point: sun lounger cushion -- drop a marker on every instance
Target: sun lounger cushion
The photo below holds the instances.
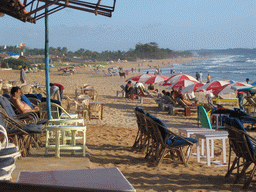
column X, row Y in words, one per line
column 5, row 103
column 237, row 124
column 179, row 141
column 7, row 96
column 26, row 100
column 3, row 172
column 37, row 96
column 5, row 162
column 163, row 131
column 32, row 128
column 8, row 151
column 140, row 110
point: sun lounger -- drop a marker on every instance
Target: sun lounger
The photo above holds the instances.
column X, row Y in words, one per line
column 243, row 145
column 164, row 141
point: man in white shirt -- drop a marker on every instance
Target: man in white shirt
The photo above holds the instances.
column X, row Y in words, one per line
column 137, row 85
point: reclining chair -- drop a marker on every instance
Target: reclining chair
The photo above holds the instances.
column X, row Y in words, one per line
column 163, row 141
column 243, row 145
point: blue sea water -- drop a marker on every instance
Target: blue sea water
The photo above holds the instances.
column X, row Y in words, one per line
column 221, row 67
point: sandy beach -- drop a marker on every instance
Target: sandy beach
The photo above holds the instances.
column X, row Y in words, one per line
column 109, row 141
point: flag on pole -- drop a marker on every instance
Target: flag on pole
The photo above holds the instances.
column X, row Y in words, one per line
column 5, row 47
column 24, row 50
column 17, row 46
column 23, row 44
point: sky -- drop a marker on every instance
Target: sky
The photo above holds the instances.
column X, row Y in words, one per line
column 177, row 24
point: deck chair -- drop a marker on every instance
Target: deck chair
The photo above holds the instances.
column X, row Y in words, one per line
column 141, row 139
column 7, row 149
column 57, row 112
column 164, row 141
column 9, row 110
column 95, row 111
column 250, row 105
column 21, row 134
column 7, row 166
column 243, row 145
column 122, row 92
column 182, row 106
column 166, row 102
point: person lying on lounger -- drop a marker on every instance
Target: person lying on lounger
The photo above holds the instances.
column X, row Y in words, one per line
column 22, row 107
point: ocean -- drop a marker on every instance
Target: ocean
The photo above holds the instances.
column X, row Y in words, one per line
column 221, row 67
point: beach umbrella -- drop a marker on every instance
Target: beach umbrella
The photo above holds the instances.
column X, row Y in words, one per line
column 192, row 88
column 254, row 83
column 212, row 85
column 176, row 78
column 140, row 78
column 182, row 83
column 156, row 79
column 245, row 89
column 227, row 89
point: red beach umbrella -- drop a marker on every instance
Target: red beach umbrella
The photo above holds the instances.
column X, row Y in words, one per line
column 140, row 78
column 213, row 85
column 192, row 88
column 176, row 78
column 226, row 89
column 182, row 83
column 156, row 79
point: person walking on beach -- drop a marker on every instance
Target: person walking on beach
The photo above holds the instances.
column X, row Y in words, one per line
column 23, row 74
column 208, row 78
column 201, row 77
column 197, row 76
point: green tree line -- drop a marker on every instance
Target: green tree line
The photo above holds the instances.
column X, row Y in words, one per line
column 142, row 51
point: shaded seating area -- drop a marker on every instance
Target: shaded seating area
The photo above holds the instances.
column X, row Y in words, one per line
column 243, row 166
column 33, row 10
column 154, row 137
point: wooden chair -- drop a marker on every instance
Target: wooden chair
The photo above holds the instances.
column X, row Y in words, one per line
column 243, row 145
column 57, row 112
column 165, row 141
column 95, row 110
column 142, row 139
column 183, row 107
column 21, row 134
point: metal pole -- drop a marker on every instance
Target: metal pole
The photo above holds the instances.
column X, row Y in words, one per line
column 47, row 76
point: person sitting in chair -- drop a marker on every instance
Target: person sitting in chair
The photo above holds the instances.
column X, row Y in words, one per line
column 21, row 107
column 128, row 89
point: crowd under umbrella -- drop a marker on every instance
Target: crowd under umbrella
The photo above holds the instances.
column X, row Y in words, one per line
column 182, row 83
column 176, row 78
column 228, row 88
column 212, row 85
column 140, row 78
column 156, row 79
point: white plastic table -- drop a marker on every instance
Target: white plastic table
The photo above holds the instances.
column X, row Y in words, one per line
column 222, row 135
column 190, row 131
column 58, row 129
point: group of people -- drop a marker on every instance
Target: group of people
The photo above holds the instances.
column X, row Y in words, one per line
column 175, row 95
column 199, row 77
column 138, row 89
